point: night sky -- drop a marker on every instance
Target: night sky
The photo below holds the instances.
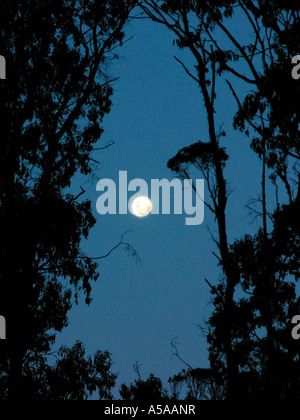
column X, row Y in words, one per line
column 138, row 309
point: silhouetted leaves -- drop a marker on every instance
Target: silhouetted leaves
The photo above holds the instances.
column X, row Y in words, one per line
column 144, row 391
column 52, row 105
column 249, row 336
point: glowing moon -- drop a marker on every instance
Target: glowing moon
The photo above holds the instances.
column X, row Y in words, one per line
column 141, row 206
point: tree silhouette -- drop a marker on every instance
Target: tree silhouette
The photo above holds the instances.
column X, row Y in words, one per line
column 73, row 376
column 249, row 337
column 209, row 157
column 53, row 101
column 52, row 105
column 144, row 391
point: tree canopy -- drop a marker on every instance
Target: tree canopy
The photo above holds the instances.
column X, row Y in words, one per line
column 53, row 102
column 52, row 105
column 250, row 344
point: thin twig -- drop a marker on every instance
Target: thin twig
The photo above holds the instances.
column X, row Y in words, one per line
column 176, row 353
column 186, row 69
column 129, row 248
column 104, row 147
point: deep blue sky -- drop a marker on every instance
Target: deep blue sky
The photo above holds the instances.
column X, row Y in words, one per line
column 138, row 309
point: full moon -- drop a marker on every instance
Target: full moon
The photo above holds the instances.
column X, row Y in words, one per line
column 141, row 206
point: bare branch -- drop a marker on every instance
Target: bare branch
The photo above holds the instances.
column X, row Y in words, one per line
column 136, row 368
column 80, row 194
column 176, row 353
column 129, row 248
column 187, row 70
column 241, row 49
column 226, row 66
column 104, row 147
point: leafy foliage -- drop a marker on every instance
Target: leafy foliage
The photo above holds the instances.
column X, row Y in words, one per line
column 73, row 377
column 144, row 391
column 250, row 344
column 52, row 105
